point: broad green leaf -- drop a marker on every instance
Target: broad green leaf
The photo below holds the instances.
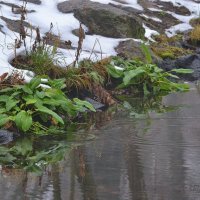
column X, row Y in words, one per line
column 27, row 89
column 4, row 98
column 115, row 73
column 8, row 89
column 46, row 110
column 41, row 94
column 30, row 99
column 23, row 120
column 172, row 75
column 34, row 83
column 11, row 103
column 84, row 103
column 182, row 71
column 57, row 83
column 4, row 119
column 129, row 75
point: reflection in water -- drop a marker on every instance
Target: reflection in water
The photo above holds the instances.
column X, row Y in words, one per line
column 130, row 159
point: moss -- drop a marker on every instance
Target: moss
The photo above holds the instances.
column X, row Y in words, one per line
column 166, row 47
column 170, row 52
column 168, row 40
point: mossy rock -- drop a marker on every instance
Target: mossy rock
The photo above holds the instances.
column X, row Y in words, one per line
column 162, row 38
column 169, row 47
column 170, row 52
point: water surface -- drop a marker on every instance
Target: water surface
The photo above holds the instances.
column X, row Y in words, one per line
column 156, row 158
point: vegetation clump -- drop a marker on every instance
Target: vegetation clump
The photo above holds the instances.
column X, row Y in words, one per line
column 33, row 107
column 166, row 47
column 195, row 35
column 195, row 21
column 171, row 52
column 145, row 78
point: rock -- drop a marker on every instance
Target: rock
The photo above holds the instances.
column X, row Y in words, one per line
column 38, row 2
column 9, row 4
column 131, row 49
column 71, row 5
column 5, row 137
column 190, row 62
column 15, row 25
column 169, row 6
column 97, row 105
column 107, row 21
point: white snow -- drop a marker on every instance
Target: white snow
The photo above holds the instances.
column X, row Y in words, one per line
column 63, row 24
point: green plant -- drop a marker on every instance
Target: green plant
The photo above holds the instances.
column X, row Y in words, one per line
column 146, row 78
column 33, row 107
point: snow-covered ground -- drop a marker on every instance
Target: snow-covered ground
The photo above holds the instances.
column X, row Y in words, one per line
column 63, row 24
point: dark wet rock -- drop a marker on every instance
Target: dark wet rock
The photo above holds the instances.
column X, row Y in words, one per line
column 187, row 62
column 97, row 105
column 6, row 137
column 104, row 20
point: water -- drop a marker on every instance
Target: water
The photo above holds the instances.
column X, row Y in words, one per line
column 156, row 158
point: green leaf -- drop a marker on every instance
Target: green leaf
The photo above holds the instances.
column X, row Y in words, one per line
column 84, row 103
column 115, row 73
column 11, row 103
column 129, row 75
column 5, row 90
column 46, row 110
column 4, row 98
column 34, row 83
column 41, row 94
column 57, row 83
column 172, row 75
column 30, row 99
column 23, row 120
column 182, row 71
column 4, row 119
column 27, row 89
column 147, row 53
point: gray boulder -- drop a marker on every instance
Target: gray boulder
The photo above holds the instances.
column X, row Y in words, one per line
column 105, row 20
column 5, row 137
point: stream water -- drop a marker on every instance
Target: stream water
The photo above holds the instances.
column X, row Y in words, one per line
column 156, row 158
